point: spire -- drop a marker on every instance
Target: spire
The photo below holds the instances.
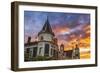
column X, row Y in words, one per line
column 46, row 28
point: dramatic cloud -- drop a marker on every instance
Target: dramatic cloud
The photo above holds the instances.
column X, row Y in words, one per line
column 68, row 27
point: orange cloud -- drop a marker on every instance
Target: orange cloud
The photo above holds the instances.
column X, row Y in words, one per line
column 85, row 55
column 58, row 30
column 83, row 43
column 87, row 27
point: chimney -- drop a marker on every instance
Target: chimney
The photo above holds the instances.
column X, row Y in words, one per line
column 29, row 39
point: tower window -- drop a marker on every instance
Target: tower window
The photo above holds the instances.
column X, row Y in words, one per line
column 41, row 38
column 46, row 49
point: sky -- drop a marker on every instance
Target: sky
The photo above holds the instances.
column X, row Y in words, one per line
column 69, row 28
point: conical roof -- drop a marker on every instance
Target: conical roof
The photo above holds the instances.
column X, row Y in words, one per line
column 46, row 28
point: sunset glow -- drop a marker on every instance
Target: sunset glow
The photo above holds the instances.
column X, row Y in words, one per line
column 69, row 29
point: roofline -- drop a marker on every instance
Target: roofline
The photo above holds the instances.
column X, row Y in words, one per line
column 29, row 44
column 46, row 32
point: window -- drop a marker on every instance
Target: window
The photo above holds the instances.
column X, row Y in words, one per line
column 40, row 50
column 77, row 51
column 41, row 38
column 46, row 49
column 51, row 51
column 34, row 51
column 27, row 50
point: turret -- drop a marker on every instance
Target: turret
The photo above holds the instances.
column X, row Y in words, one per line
column 46, row 34
column 76, row 51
